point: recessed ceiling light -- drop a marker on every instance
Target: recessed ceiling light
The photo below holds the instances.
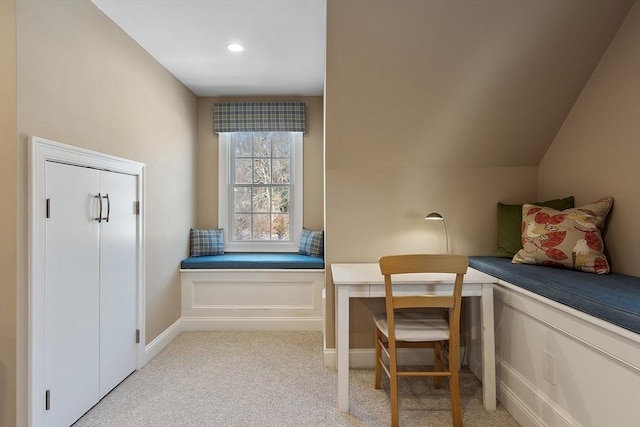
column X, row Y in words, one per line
column 235, row 47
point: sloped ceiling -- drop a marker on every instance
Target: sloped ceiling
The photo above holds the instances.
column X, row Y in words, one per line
column 284, row 41
column 457, row 83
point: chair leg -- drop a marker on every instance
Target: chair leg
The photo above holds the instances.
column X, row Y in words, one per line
column 393, row 387
column 456, row 409
column 437, row 364
column 378, row 356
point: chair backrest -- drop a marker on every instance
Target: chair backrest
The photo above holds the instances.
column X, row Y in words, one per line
column 424, row 263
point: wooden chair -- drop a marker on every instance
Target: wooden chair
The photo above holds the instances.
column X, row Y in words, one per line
column 418, row 329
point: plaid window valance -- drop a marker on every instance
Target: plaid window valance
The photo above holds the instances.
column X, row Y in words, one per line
column 258, row 117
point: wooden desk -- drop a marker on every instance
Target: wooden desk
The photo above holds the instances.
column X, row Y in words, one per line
column 366, row 281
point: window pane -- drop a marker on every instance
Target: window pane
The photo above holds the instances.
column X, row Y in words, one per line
column 282, row 145
column 280, row 226
column 242, row 227
column 261, row 192
column 243, row 171
column 262, row 171
column 243, row 144
column 280, row 199
column 262, row 144
column 242, row 199
column 261, row 199
column 261, row 227
column 281, row 171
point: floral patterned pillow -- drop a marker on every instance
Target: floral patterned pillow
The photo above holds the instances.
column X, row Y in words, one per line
column 571, row 238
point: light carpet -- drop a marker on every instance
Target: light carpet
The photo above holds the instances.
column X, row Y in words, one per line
column 231, row 378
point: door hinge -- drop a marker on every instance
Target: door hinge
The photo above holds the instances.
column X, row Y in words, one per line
column 47, row 400
column 48, row 214
column 137, row 336
column 136, row 208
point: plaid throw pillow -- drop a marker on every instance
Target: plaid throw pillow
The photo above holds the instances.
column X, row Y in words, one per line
column 312, row 243
column 207, row 242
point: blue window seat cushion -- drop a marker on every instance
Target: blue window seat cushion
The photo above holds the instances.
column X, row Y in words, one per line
column 612, row 297
column 256, row 261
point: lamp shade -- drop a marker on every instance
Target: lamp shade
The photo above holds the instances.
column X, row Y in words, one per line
column 434, row 216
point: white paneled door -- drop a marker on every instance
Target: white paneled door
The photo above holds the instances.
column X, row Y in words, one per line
column 72, row 293
column 90, row 287
column 117, row 279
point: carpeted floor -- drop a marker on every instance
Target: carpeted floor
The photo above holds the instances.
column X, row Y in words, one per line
column 271, row 379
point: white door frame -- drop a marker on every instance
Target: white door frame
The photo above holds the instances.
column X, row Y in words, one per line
column 40, row 151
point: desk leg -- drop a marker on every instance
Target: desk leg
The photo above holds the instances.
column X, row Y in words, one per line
column 342, row 346
column 488, row 348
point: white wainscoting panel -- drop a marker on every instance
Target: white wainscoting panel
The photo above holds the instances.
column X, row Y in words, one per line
column 557, row 366
column 252, row 299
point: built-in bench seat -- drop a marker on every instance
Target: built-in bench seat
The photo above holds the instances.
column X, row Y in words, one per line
column 567, row 344
column 252, row 291
column 612, row 297
column 244, row 260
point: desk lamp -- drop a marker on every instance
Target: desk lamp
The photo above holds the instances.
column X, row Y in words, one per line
column 434, row 216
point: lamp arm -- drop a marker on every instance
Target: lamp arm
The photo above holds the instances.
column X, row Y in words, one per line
column 446, row 234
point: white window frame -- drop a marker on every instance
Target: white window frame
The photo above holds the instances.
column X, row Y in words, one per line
column 225, row 206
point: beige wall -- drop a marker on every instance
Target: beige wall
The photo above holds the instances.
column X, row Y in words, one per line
column 413, row 125
column 83, row 81
column 8, row 215
column 597, row 151
column 377, row 211
column 457, row 83
column 207, row 160
column 448, row 107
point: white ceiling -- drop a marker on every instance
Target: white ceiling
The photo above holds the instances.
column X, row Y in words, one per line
column 284, row 41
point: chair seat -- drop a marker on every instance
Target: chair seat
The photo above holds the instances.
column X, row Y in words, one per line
column 415, row 326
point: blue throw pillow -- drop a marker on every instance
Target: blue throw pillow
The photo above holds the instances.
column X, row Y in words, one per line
column 312, row 243
column 207, row 242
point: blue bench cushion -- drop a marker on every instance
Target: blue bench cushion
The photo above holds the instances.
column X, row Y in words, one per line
column 247, row 260
column 612, row 297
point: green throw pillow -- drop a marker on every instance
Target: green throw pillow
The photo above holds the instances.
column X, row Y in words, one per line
column 510, row 224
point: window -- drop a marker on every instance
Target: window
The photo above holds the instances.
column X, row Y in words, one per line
column 260, row 190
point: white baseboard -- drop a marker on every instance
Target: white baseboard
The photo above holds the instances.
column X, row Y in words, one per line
column 516, row 407
column 329, row 357
column 250, row 324
column 526, row 403
column 152, row 349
